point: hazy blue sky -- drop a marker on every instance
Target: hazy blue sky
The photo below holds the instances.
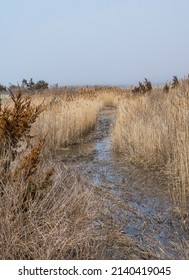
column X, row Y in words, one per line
column 73, row 42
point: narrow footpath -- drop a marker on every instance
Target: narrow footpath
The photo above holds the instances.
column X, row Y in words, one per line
column 146, row 192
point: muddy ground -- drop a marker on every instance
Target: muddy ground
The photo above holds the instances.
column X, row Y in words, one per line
column 145, row 191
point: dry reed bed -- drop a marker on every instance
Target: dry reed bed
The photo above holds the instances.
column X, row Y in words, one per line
column 140, row 130
column 46, row 211
column 69, row 220
column 153, row 131
column 69, row 116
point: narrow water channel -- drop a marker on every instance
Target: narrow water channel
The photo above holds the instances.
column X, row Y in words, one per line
column 145, row 191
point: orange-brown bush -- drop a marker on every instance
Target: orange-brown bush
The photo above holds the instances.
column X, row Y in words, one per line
column 16, row 160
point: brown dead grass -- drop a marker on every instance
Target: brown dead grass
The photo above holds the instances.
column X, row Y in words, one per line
column 46, row 210
column 68, row 117
column 153, row 131
column 64, row 222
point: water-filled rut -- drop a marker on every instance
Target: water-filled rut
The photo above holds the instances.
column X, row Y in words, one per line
column 144, row 190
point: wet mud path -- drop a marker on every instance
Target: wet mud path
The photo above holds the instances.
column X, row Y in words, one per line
column 144, row 190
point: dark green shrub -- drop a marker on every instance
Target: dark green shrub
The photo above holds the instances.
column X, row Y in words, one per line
column 41, row 85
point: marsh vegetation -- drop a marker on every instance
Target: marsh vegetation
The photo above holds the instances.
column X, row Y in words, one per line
column 95, row 173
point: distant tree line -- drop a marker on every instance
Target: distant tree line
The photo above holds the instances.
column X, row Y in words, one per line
column 30, row 85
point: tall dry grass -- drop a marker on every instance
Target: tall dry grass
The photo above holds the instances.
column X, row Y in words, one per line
column 46, row 210
column 152, row 130
column 141, row 130
column 68, row 117
column 66, row 220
